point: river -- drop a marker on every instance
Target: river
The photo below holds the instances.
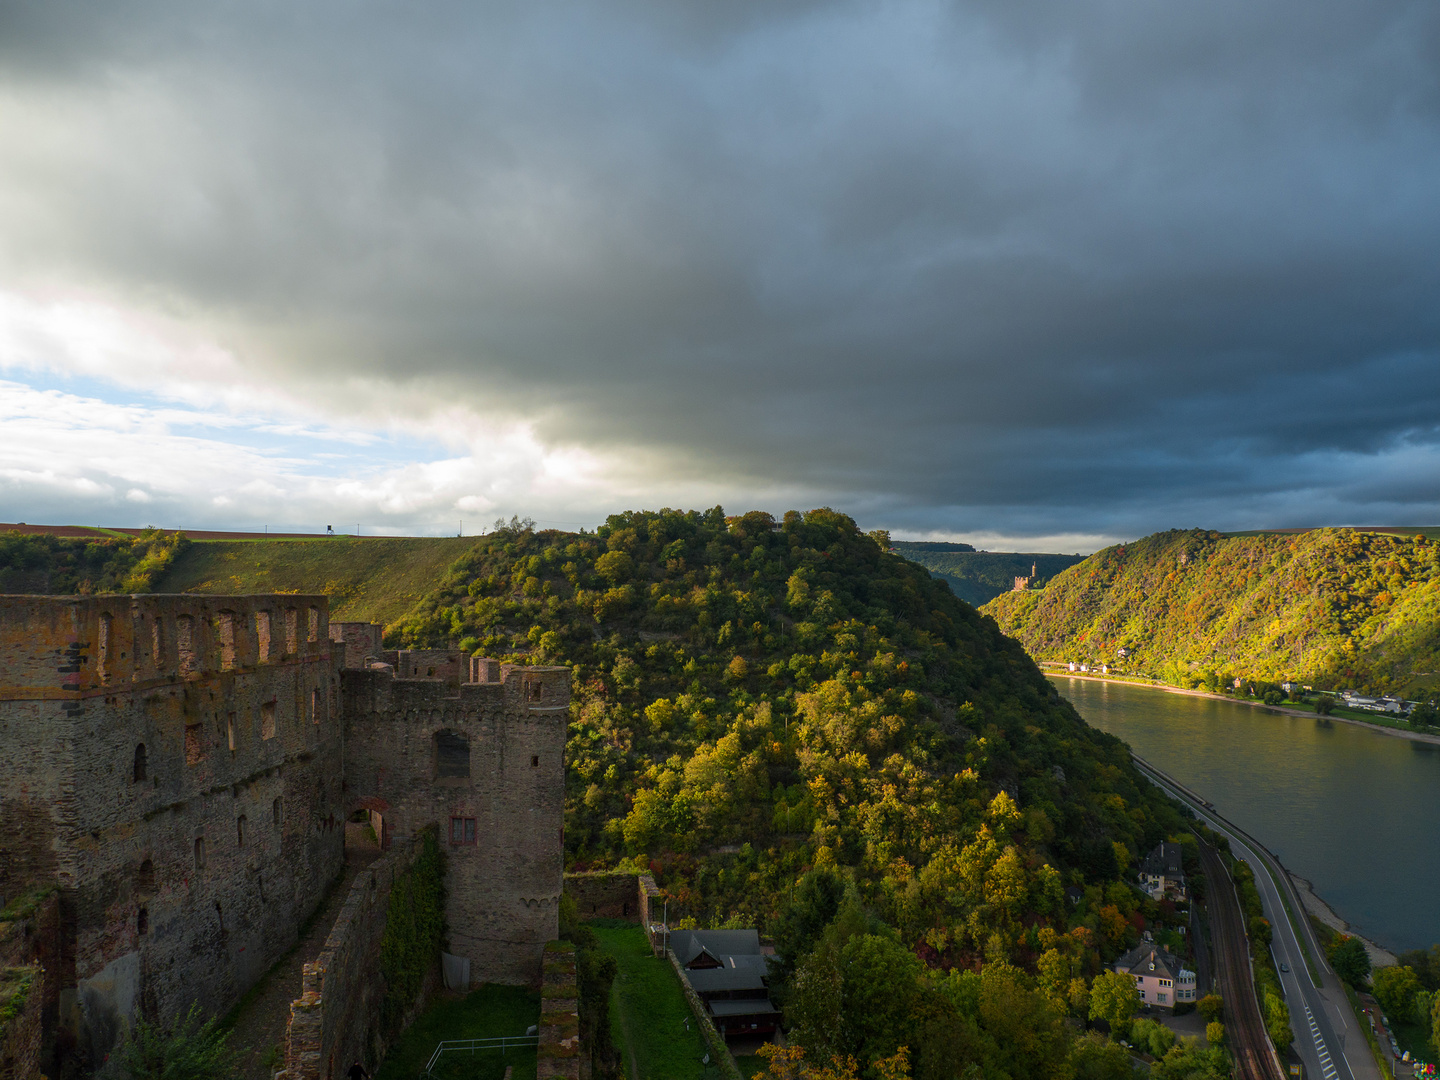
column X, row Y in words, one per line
column 1351, row 810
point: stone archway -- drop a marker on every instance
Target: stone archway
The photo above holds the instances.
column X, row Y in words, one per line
column 367, row 824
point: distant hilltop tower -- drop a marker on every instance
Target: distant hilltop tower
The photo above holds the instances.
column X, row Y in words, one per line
column 1023, row 583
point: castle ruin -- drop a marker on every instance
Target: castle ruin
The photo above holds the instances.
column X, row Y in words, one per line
column 175, row 777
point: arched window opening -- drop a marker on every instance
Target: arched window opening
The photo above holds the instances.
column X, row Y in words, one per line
column 452, row 755
column 145, row 879
column 140, row 763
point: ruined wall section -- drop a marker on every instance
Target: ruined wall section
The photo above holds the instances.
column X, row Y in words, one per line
column 486, row 762
column 335, row 1021
column 183, row 754
column 358, row 640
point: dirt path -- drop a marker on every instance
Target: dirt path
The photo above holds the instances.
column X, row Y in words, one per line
column 261, row 1024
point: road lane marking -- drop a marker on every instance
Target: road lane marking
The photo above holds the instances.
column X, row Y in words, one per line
column 1327, row 1066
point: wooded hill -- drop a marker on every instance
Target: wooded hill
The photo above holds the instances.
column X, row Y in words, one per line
column 977, row 577
column 1333, row 608
column 794, row 729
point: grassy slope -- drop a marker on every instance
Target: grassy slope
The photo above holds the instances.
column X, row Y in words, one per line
column 1331, row 606
column 367, row 580
column 487, row 1013
column 649, row 1014
column 977, row 577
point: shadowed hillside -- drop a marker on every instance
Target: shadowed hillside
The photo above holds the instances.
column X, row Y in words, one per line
column 977, row 577
column 1332, row 607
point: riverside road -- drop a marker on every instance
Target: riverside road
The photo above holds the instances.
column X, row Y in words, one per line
column 1328, row 1038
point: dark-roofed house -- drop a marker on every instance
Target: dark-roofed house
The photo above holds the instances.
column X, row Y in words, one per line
column 731, row 976
column 1162, row 873
column 1160, row 979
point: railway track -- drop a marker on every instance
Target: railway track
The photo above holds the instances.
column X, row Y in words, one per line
column 1244, row 1026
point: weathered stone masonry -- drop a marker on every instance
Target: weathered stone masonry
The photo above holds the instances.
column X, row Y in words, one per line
column 173, row 764
column 181, row 768
column 486, row 762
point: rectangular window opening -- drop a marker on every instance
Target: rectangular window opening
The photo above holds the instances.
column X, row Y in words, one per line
column 462, row 831
column 313, row 630
column 230, row 731
column 194, row 744
column 315, row 706
column 292, row 631
column 157, row 641
column 267, row 720
column 199, row 853
column 262, row 635
column 226, row 625
column 185, row 643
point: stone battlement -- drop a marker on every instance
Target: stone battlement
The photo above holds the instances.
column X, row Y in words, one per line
column 52, row 647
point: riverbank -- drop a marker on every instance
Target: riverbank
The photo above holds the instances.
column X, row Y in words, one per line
column 1059, row 670
column 1316, row 906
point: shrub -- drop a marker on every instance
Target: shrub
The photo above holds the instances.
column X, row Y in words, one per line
column 1215, row 1033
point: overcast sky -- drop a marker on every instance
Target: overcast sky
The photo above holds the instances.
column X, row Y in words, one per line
column 1034, row 274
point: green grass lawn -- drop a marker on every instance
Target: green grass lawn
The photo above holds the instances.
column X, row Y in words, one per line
column 649, row 1013
column 371, row 579
column 486, row 1013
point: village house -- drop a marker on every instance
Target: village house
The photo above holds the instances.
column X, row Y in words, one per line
column 731, row 976
column 1160, row 979
column 1162, row 874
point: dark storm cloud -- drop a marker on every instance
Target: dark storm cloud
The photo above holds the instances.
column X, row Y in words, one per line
column 1030, row 267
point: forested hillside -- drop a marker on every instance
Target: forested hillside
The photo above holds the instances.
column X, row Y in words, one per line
column 977, row 577
column 797, row 730
column 41, row 563
column 1330, row 607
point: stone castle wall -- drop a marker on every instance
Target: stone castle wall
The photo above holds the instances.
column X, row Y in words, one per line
column 334, row 1022
column 486, row 762
column 181, row 767
column 358, row 640
column 173, row 763
column 613, row 894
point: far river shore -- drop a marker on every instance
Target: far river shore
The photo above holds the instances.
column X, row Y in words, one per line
column 1051, row 668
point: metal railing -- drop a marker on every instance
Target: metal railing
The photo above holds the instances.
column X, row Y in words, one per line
column 473, row 1046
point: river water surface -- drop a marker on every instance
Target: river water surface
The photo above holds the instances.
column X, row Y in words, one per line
column 1353, row 811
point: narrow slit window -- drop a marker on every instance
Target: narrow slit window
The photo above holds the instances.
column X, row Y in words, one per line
column 315, row 706
column 292, row 631
column 200, row 853
column 157, row 641
column 230, row 731
column 277, row 812
column 240, row 831
column 313, row 629
column 140, row 763
column 534, row 761
column 267, row 720
column 142, row 921
column 107, row 625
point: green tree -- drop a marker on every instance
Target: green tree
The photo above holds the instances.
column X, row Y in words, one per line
column 1152, row 1037
column 1350, row 960
column 616, row 567
column 1277, row 1021
column 1211, row 1006
column 1215, row 1033
column 1096, row 1058
column 1114, row 1000
column 1395, row 989
column 192, row 1048
column 1324, row 704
